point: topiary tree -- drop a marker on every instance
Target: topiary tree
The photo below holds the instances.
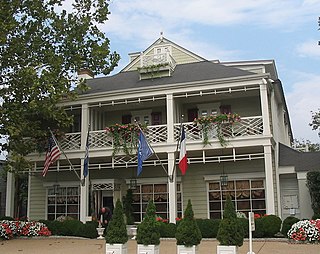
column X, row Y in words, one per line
column 117, row 231
column 147, row 231
column 313, row 183
column 188, row 232
column 230, row 230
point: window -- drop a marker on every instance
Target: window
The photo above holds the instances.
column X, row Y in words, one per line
column 63, row 201
column 160, row 196
column 247, row 196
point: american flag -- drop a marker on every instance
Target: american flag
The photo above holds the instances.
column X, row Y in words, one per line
column 53, row 153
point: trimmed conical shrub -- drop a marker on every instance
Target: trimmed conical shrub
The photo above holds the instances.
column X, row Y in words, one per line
column 188, row 232
column 117, row 230
column 148, row 231
column 230, row 230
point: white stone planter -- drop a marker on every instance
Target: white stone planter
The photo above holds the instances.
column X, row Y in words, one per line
column 227, row 249
column 181, row 249
column 116, row 248
column 148, row 249
column 100, row 231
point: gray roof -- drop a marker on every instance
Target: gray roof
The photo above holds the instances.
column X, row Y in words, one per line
column 302, row 161
column 199, row 71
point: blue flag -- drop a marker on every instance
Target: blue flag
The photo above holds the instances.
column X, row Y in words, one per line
column 86, row 159
column 144, row 151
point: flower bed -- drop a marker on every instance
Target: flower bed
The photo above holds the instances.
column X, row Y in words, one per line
column 9, row 229
column 305, row 231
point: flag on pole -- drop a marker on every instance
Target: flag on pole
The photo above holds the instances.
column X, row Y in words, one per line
column 144, row 151
column 53, row 154
column 86, row 159
column 183, row 162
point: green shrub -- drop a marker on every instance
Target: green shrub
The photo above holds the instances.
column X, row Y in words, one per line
column 271, row 225
column 208, row 227
column 167, row 230
column 188, row 232
column 127, row 207
column 88, row 230
column 147, row 231
column 313, row 183
column 117, row 230
column 7, row 218
column 245, row 225
column 258, row 232
column 287, row 223
column 316, row 216
column 71, row 227
column 230, row 230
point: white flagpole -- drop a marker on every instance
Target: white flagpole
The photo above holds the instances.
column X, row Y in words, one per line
column 55, row 140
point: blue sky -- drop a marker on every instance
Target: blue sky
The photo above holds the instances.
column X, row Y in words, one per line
column 233, row 30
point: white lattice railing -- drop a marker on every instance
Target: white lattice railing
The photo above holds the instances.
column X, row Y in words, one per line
column 156, row 59
column 248, row 126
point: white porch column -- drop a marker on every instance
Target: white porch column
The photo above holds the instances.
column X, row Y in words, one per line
column 304, row 196
column 172, row 188
column 265, row 107
column 10, row 194
column 84, row 189
column 170, row 118
column 270, row 191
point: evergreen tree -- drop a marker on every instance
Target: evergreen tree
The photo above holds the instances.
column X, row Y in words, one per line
column 188, row 232
column 117, row 231
column 230, row 230
column 148, row 231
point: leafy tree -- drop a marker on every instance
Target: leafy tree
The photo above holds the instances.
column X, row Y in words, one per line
column 127, row 205
column 313, row 183
column 117, row 230
column 188, row 232
column 42, row 46
column 306, row 144
column 315, row 122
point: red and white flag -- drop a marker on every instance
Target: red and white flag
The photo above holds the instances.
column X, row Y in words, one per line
column 183, row 161
column 53, row 153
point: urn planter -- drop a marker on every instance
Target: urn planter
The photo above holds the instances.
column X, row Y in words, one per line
column 116, row 248
column 181, row 249
column 100, row 231
column 150, row 249
column 221, row 249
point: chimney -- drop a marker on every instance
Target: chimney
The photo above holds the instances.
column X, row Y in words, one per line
column 85, row 74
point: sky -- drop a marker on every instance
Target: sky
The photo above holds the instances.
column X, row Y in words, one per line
column 234, row 30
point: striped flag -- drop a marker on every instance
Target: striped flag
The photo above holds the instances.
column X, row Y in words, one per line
column 86, row 159
column 53, row 154
column 144, row 151
column 183, row 162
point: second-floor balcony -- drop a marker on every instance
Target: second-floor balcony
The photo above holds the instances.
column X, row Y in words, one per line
column 248, row 126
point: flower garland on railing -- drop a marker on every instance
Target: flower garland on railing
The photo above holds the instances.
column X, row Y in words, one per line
column 125, row 137
column 9, row 229
column 216, row 122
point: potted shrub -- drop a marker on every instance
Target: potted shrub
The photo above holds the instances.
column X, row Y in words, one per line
column 148, row 236
column 188, row 234
column 230, row 233
column 116, row 235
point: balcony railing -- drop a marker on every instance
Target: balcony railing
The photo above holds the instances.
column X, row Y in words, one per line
column 248, row 126
column 157, row 59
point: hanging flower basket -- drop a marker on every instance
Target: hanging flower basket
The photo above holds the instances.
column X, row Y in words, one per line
column 216, row 123
column 124, row 137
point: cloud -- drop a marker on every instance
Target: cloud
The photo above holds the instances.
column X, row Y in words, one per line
column 301, row 100
column 309, row 49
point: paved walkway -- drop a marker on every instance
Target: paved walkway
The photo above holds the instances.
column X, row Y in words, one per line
column 57, row 245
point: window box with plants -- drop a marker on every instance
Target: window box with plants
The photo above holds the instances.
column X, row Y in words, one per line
column 188, row 234
column 116, row 235
column 148, row 236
